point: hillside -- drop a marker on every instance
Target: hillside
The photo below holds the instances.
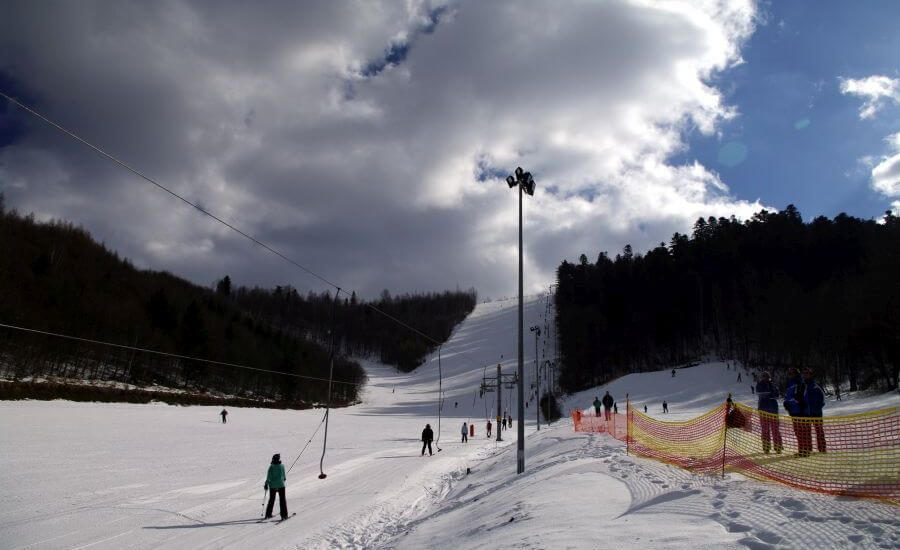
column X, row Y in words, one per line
column 55, row 277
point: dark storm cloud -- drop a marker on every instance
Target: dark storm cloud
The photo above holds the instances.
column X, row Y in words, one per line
column 368, row 140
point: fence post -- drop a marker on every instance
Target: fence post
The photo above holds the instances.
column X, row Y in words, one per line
column 724, row 436
column 627, row 425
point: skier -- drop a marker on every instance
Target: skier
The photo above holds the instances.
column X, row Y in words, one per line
column 608, row 402
column 739, row 377
column 224, row 413
column 427, row 437
column 815, row 402
column 837, row 392
column 455, row 403
column 597, row 406
column 489, row 428
column 275, row 485
column 673, row 373
column 465, row 433
column 509, row 421
column 767, row 403
column 504, row 421
column 615, row 408
column 665, row 407
column 795, row 404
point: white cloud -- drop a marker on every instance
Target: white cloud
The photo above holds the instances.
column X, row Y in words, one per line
column 886, row 174
column 876, row 90
column 373, row 177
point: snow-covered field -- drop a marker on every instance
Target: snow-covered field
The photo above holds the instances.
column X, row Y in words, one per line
column 80, row 475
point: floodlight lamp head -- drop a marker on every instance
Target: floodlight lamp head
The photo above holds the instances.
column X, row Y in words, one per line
column 527, row 177
column 511, row 181
column 519, row 172
column 529, row 187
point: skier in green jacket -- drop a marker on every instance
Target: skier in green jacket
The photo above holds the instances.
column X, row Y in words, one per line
column 275, row 484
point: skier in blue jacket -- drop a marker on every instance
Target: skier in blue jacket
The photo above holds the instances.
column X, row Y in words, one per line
column 767, row 396
column 275, row 484
column 795, row 405
column 815, row 402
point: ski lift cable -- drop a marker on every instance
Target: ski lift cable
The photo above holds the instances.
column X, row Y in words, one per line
column 176, row 355
column 204, row 211
column 307, row 444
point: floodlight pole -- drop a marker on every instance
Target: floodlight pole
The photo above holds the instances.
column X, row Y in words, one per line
column 520, row 453
column 499, row 399
column 537, row 377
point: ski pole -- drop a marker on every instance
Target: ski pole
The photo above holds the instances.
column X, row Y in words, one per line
column 263, row 511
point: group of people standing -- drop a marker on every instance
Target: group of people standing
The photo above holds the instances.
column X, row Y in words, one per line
column 804, row 400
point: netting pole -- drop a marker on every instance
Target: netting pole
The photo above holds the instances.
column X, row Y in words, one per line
column 627, row 424
column 724, row 438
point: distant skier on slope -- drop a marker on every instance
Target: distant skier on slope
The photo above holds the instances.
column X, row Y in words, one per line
column 673, row 373
column 427, row 438
column 597, row 405
column 608, row 402
column 665, row 407
column 489, row 428
column 465, row 433
column 224, row 414
column 275, row 484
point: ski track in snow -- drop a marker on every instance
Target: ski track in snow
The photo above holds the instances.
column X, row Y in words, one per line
column 110, row 476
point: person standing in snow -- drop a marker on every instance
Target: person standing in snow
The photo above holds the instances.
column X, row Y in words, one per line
column 224, row 413
column 608, row 402
column 665, row 407
column 795, row 404
column 837, row 392
column 427, row 438
column 645, row 409
column 814, row 396
column 597, row 405
column 615, row 408
column 673, row 373
column 739, row 377
column 465, row 433
column 504, row 421
column 767, row 403
column 489, row 428
column 275, row 485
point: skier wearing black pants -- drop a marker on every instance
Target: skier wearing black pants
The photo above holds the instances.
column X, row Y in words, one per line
column 427, row 437
column 275, row 484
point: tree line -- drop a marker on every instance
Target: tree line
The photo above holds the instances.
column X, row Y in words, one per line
column 54, row 277
column 362, row 329
column 771, row 291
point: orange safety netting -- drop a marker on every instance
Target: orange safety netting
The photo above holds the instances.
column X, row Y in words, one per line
column 856, row 455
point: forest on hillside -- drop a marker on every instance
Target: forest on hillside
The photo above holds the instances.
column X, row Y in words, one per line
column 364, row 329
column 54, row 277
column 771, row 291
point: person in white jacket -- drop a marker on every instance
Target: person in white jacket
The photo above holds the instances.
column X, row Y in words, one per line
column 465, row 433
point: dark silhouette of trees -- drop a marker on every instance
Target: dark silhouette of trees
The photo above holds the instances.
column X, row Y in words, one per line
column 54, row 277
column 772, row 291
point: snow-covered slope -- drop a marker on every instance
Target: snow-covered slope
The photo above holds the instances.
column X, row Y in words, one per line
column 79, row 475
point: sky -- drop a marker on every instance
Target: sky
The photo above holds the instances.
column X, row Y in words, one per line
column 369, row 141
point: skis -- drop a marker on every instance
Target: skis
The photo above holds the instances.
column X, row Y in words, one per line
column 285, row 519
column 276, row 522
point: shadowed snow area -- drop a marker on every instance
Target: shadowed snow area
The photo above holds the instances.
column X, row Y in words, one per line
column 110, row 476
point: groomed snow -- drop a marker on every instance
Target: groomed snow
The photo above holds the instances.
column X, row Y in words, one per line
column 81, row 475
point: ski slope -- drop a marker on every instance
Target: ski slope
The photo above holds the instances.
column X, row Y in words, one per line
column 103, row 476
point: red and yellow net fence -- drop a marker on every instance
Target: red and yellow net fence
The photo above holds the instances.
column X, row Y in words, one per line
column 856, row 455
